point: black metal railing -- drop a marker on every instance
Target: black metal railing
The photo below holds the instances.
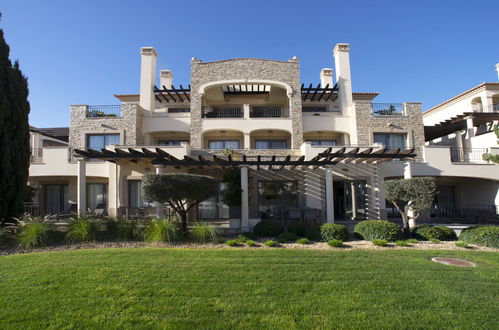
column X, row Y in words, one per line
column 104, row 111
column 388, row 109
column 314, row 109
column 223, row 112
column 469, row 214
column 266, row 112
column 467, row 155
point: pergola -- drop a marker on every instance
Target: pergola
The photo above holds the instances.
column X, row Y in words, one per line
column 459, row 123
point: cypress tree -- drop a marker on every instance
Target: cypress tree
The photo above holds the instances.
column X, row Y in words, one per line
column 14, row 135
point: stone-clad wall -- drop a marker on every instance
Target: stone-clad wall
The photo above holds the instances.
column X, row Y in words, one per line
column 411, row 123
column 241, row 70
column 129, row 125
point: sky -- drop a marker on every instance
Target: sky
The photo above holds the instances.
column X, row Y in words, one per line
column 83, row 52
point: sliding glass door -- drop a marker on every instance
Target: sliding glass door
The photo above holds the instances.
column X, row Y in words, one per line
column 56, row 198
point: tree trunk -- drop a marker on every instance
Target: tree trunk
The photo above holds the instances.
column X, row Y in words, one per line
column 183, row 225
column 405, row 226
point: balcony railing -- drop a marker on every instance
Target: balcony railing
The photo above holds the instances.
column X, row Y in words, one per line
column 36, row 155
column 387, row 109
column 267, row 112
column 103, row 111
column 223, row 112
column 467, row 155
column 493, row 107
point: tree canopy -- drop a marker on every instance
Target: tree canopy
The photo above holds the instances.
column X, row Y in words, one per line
column 180, row 191
column 14, row 135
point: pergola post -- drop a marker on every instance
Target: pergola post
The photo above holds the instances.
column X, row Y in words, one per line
column 408, row 175
column 329, row 194
column 244, row 198
column 160, row 169
column 81, row 187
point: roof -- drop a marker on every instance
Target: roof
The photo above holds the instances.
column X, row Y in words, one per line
column 59, row 133
column 482, row 85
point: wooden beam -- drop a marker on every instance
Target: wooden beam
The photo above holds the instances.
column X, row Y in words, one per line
column 185, row 93
column 272, row 161
column 300, row 159
column 161, row 93
column 288, row 157
column 178, row 95
column 324, row 92
column 315, row 93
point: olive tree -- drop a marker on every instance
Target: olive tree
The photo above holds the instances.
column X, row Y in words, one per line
column 179, row 190
column 414, row 196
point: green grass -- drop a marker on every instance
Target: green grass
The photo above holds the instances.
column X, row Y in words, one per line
column 248, row 289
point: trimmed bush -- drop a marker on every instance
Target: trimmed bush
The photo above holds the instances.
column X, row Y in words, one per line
column 411, row 241
column 161, row 231
column 34, row 234
column 82, row 230
column 434, row 240
column 270, row 243
column 378, row 229
column 402, row 243
column 313, row 233
column 267, row 228
column 231, row 242
column 461, row 244
column 331, row 231
column 250, row 243
column 203, row 233
column 298, row 228
column 130, row 230
column 335, row 243
column 220, row 240
column 286, row 237
column 442, row 233
column 380, row 242
column 481, row 235
column 241, row 239
column 303, row 241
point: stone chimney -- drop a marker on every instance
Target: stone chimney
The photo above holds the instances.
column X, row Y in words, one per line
column 148, row 58
column 343, row 77
column 165, row 79
column 327, row 77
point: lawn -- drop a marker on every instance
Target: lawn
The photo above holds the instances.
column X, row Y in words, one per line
column 235, row 288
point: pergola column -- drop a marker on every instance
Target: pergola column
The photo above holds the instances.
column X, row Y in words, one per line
column 244, row 198
column 329, row 194
column 408, row 175
column 160, row 169
column 82, row 187
column 469, row 127
column 247, row 141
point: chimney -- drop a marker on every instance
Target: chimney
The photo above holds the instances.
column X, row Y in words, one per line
column 165, row 78
column 147, row 77
column 327, row 77
column 497, row 69
column 343, row 78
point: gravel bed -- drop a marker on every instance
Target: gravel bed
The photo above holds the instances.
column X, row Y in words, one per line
column 351, row 245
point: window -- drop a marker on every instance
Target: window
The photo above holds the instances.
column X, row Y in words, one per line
column 99, row 141
column 177, row 110
column 171, row 142
column 322, row 143
column 96, row 196
column 223, row 144
column 271, row 144
column 135, row 196
column 275, row 194
column 213, row 207
column 391, row 140
column 314, row 109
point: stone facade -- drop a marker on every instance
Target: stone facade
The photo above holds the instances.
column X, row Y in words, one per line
column 410, row 123
column 246, row 70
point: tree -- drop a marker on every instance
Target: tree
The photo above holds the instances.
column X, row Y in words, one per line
column 14, row 135
column 232, row 195
column 179, row 190
column 414, row 195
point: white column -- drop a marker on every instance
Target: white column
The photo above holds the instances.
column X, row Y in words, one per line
column 244, row 198
column 354, row 200
column 408, row 170
column 247, row 141
column 329, row 194
column 160, row 169
column 246, row 110
column 82, row 187
column 470, row 128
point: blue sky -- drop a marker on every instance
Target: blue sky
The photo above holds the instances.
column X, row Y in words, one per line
column 83, row 52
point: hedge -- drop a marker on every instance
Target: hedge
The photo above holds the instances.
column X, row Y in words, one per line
column 378, row 229
column 330, row 231
column 427, row 232
column 267, row 228
column 481, row 235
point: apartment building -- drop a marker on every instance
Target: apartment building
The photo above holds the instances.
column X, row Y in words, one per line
column 307, row 151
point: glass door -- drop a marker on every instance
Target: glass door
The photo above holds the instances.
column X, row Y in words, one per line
column 56, row 198
column 354, row 194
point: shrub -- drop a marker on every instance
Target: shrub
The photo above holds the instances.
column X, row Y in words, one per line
column 380, row 242
column 271, row 243
column 461, row 244
column 411, row 240
column 267, row 228
column 130, row 230
column 335, row 243
column 378, row 229
column 481, row 235
column 161, row 231
column 250, row 242
column 298, row 228
column 434, row 240
column 220, row 240
column 202, row 233
column 313, row 233
column 303, row 241
column 402, row 243
column 82, row 230
column 250, row 235
column 241, row 239
column 286, row 237
column 112, row 228
column 331, row 231
column 231, row 242
column 34, row 234
column 427, row 232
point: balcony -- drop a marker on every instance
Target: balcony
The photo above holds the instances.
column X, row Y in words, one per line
column 468, row 155
column 493, row 107
column 36, row 155
column 103, row 111
column 267, row 112
column 223, row 112
column 388, row 109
